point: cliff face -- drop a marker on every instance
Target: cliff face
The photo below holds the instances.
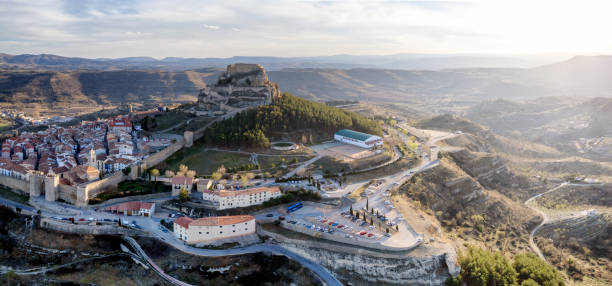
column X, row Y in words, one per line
column 364, row 269
column 361, row 266
column 241, row 85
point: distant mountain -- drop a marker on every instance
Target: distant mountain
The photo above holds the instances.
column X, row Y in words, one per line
column 73, row 80
column 581, row 75
column 399, row 61
column 100, row 87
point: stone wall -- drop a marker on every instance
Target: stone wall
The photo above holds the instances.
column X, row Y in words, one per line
column 14, row 183
column 163, row 154
column 348, row 241
column 67, row 193
column 68, row 227
column 133, row 198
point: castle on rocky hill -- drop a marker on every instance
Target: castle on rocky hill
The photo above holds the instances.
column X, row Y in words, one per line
column 242, row 85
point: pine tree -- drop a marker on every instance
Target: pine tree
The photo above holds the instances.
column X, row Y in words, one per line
column 351, row 210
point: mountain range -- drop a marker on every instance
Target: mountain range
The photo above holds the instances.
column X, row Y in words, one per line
column 398, row 61
column 24, row 80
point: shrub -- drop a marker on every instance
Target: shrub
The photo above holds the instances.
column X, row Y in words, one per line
column 482, row 267
column 531, row 268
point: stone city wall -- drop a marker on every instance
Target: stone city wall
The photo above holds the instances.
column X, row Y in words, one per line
column 133, row 198
column 163, row 154
column 67, row 193
column 15, row 183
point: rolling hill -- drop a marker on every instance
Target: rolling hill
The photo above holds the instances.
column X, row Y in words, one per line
column 112, row 80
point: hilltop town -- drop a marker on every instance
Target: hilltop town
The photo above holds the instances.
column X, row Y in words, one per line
column 335, row 188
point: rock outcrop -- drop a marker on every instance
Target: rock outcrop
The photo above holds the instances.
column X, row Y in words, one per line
column 241, row 85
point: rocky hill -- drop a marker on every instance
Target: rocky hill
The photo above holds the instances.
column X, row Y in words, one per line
column 241, row 85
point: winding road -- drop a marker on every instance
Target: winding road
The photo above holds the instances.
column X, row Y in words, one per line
column 532, row 244
column 319, row 270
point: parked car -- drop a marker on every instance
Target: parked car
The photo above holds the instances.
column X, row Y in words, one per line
column 370, row 234
column 269, row 215
column 281, row 218
column 81, row 219
column 362, row 233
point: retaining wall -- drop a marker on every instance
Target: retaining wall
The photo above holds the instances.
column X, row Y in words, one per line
column 348, row 241
column 68, row 227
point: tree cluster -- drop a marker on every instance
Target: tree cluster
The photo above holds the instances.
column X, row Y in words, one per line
column 287, row 113
column 483, row 267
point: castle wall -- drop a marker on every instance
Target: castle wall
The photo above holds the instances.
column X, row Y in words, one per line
column 164, row 154
column 66, row 193
column 14, row 183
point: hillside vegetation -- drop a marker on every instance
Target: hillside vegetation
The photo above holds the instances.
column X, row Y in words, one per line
column 483, row 267
column 99, row 87
column 288, row 113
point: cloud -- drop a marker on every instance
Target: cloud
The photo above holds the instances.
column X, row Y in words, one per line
column 303, row 28
column 211, row 27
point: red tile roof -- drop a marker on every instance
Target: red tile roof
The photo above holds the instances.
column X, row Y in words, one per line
column 130, row 206
column 221, row 220
column 181, row 180
column 183, row 221
column 226, row 193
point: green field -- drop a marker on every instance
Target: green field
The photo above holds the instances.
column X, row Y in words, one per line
column 130, row 188
column 5, row 125
column 267, row 162
column 195, row 124
column 13, row 196
column 170, row 118
column 204, row 162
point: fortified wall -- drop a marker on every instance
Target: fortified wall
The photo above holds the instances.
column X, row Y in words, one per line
column 39, row 184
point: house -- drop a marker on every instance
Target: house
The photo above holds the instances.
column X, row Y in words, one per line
column 213, row 228
column 82, row 174
column 181, row 182
column 226, row 199
column 359, row 139
column 6, row 150
column 120, row 124
column 133, row 208
column 204, row 184
column 116, row 164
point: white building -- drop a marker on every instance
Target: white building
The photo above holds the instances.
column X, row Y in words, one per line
column 181, row 182
column 213, row 228
column 226, row 199
column 359, row 139
column 133, row 208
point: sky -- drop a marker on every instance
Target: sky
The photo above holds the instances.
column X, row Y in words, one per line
column 114, row 28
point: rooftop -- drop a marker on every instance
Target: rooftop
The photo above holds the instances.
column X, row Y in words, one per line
column 226, row 193
column 354, row 134
column 221, row 220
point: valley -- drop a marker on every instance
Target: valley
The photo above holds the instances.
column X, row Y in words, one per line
column 462, row 170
